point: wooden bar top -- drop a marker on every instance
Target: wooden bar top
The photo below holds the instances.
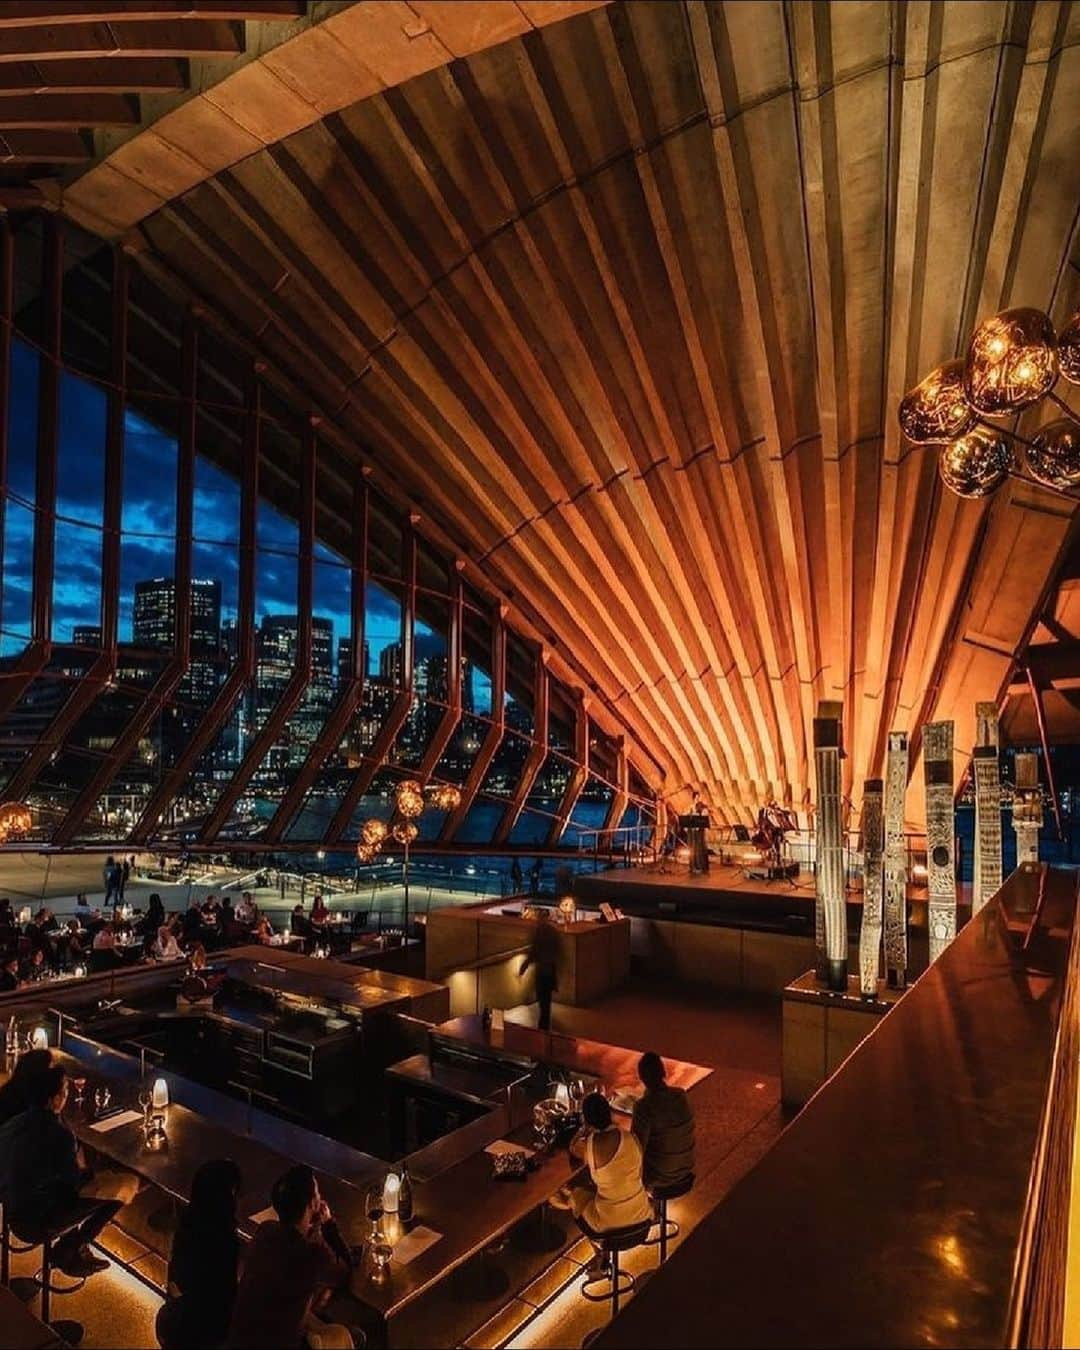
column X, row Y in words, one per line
column 893, row 1211
column 614, row 1065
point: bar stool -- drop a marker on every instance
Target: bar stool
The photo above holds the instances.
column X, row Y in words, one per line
column 68, row 1330
column 611, row 1242
column 660, row 1195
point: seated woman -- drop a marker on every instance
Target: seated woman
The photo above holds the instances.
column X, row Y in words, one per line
column 319, row 912
column 262, row 931
column 166, row 947
column 150, row 923
column 614, row 1197
column 203, row 1267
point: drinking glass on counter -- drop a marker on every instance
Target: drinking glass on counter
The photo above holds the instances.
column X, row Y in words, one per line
column 79, row 1084
column 102, row 1098
column 373, row 1205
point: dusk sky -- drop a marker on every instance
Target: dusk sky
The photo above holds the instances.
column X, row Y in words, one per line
column 148, row 524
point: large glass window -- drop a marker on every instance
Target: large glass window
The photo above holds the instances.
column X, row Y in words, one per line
column 80, row 504
column 16, row 607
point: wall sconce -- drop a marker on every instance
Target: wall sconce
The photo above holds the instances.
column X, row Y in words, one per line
column 159, row 1097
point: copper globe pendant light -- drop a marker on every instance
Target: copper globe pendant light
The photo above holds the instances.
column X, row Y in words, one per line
column 1013, row 361
column 1053, row 456
column 937, row 408
column 975, row 465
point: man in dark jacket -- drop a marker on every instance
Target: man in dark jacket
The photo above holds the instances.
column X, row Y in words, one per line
column 544, row 956
column 664, row 1126
column 42, row 1175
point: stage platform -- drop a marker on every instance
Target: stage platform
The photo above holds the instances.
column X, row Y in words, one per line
column 724, row 929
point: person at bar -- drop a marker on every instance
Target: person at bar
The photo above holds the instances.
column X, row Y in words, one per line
column 154, row 917
column 614, row 1195
column 166, row 947
column 663, row 1125
column 9, row 974
column 291, row 1266
column 543, row 955
column 14, row 1096
column 204, row 1263
column 45, row 1183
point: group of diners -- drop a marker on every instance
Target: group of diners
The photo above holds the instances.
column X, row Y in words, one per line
column 626, row 1166
column 268, row 1293
column 97, row 940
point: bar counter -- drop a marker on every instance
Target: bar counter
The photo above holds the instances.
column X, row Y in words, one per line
column 917, row 1199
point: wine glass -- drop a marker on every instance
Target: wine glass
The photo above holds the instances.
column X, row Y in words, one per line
column 374, row 1208
column 79, row 1084
column 102, row 1098
column 381, row 1252
column 146, row 1101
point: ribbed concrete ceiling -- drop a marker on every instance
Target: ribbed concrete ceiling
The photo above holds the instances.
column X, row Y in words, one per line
column 627, row 304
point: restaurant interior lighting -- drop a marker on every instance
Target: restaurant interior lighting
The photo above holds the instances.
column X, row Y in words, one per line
column 39, row 1039
column 1013, row 361
column 409, row 798
column 159, row 1097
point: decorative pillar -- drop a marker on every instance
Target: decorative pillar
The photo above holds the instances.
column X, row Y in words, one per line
column 1027, row 808
column 896, row 778
column 940, row 833
column 987, row 775
column 830, row 911
column 873, row 885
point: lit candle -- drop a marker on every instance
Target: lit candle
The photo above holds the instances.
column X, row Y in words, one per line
column 39, row 1039
column 160, row 1093
column 390, row 1193
column 562, row 1094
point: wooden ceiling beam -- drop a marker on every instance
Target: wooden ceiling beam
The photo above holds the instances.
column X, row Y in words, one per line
column 68, row 111
column 44, row 147
column 97, row 41
column 118, row 75
column 35, row 13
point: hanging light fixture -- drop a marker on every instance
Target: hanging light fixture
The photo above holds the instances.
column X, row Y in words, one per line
column 1013, row 360
column 976, row 464
column 15, row 821
column 1053, row 455
column 937, row 408
column 405, row 831
column 373, row 832
column 409, row 798
column 1068, row 350
column 444, row 796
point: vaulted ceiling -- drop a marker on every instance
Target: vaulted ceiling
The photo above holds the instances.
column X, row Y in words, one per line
column 625, row 305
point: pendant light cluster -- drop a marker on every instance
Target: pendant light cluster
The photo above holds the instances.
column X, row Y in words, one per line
column 15, row 821
column 409, row 803
column 1013, row 360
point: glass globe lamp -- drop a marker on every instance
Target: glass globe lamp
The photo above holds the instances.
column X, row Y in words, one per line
column 1054, row 454
column 15, row 820
column 405, row 831
column 1011, row 362
column 976, row 464
column 1068, row 349
column 409, row 798
column 373, row 832
column 937, row 408
column 445, row 796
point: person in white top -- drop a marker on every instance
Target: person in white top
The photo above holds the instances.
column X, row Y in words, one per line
column 166, row 947
column 614, row 1195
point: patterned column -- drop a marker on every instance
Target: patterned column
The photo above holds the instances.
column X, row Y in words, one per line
column 940, row 828
column 873, row 886
column 987, row 775
column 830, row 911
column 896, row 777
column 1027, row 808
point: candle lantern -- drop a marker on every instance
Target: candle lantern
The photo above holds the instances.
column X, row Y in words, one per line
column 160, row 1094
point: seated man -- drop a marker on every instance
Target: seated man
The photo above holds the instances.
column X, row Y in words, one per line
column 45, row 1183
column 289, row 1269
column 664, row 1125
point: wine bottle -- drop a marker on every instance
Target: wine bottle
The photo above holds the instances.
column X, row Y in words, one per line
column 405, row 1199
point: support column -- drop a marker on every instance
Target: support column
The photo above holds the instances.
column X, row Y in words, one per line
column 987, row 775
column 830, row 912
column 940, row 834
column 873, row 887
column 896, row 779
column 1027, row 809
